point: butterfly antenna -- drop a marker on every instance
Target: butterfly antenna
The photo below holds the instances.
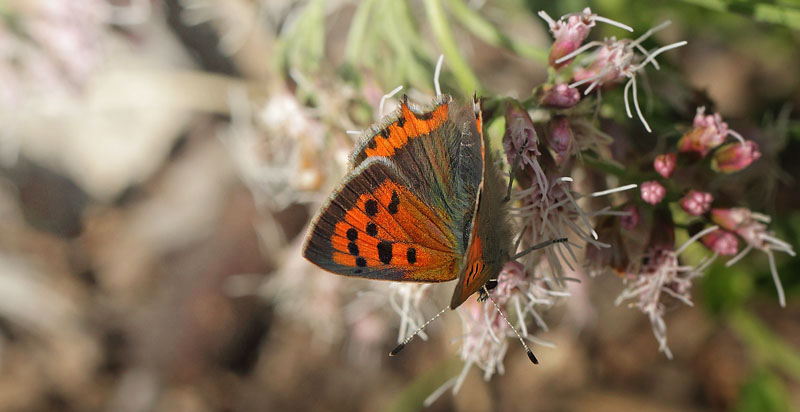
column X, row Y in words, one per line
column 514, row 170
column 436, row 75
column 539, row 246
column 403, row 344
column 387, row 96
column 531, row 356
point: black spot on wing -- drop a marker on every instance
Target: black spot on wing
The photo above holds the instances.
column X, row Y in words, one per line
column 353, row 248
column 411, row 255
column 394, row 203
column 361, row 262
column 372, row 229
column 385, row 252
column 352, row 234
column 371, row 207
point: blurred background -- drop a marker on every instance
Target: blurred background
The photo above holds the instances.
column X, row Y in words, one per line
column 160, row 160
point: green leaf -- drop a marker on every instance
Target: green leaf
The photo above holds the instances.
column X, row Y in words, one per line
column 763, row 392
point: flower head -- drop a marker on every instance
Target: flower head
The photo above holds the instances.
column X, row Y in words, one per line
column 521, row 137
column 723, row 242
column 653, row 192
column 665, row 164
column 696, row 203
column 752, row 228
column 486, row 332
column 733, row 157
column 570, row 31
column 661, row 275
column 709, row 131
column 615, row 60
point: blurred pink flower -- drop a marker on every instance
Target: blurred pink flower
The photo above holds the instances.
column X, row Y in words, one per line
column 486, row 333
column 696, row 203
column 751, row 226
column 570, row 31
column 709, row 131
column 733, row 157
column 723, row 242
column 615, row 60
column 661, row 275
column 653, row 192
column 665, row 164
column 631, row 218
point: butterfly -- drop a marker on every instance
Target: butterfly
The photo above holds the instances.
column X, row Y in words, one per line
column 423, row 202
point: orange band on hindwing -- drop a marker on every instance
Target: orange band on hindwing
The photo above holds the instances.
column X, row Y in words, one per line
column 409, row 125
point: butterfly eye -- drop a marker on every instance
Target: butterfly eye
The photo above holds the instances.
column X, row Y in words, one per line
column 491, row 284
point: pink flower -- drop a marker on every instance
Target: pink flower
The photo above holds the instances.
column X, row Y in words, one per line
column 570, row 31
column 561, row 138
column 521, row 137
column 752, row 228
column 665, row 164
column 653, row 192
column 730, row 219
column 721, row 241
column 709, row 132
column 630, row 220
column 696, row 203
column 660, row 275
column 616, row 60
column 486, row 333
column 559, row 96
column 733, row 157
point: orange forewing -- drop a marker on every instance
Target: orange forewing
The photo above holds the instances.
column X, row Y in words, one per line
column 409, row 125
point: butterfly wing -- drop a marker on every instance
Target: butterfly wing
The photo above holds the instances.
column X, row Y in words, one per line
column 376, row 226
column 439, row 152
column 490, row 231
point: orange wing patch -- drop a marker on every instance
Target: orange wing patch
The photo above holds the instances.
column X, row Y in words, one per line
column 391, row 227
column 409, row 125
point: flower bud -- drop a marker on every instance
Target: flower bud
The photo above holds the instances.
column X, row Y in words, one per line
column 559, row 96
column 733, row 157
column 665, row 164
column 561, row 138
column 696, row 203
column 653, row 192
column 723, row 242
column 709, row 132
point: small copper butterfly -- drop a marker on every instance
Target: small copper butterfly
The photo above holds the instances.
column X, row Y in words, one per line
column 422, row 203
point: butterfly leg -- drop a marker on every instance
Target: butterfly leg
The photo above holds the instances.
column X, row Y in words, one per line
column 514, row 170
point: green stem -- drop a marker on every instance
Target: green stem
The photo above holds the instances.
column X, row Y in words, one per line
column 466, row 79
column 764, row 12
column 358, row 27
column 764, row 345
column 487, row 32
